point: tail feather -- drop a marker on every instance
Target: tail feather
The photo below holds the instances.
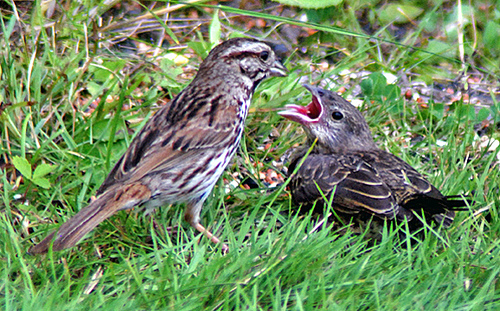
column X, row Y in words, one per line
column 459, row 204
column 450, row 205
column 92, row 215
column 442, row 209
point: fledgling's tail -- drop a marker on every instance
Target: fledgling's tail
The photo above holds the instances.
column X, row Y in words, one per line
column 450, row 204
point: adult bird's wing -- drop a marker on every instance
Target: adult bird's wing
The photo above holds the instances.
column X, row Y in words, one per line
column 174, row 138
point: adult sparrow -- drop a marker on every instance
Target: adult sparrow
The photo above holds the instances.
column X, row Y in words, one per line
column 346, row 163
column 183, row 149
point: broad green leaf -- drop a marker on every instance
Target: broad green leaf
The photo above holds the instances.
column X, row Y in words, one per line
column 214, row 31
column 392, row 92
column 466, row 111
column 23, row 166
column 199, row 47
column 310, row 4
column 483, row 114
column 441, row 48
column 42, row 182
column 379, row 83
column 42, row 170
column 367, row 86
column 107, row 70
column 399, row 13
column 491, row 34
column 429, row 21
column 437, row 110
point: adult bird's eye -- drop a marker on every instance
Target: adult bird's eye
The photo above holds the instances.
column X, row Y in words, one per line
column 337, row 115
column 264, row 55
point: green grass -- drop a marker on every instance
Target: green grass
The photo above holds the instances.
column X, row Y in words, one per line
column 70, row 109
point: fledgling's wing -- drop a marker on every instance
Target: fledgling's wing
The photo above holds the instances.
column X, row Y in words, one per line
column 410, row 188
column 357, row 186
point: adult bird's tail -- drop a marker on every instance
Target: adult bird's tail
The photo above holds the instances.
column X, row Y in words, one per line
column 92, row 215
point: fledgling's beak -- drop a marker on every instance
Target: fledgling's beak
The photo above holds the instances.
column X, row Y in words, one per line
column 305, row 114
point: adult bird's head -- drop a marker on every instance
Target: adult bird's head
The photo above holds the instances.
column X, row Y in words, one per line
column 253, row 59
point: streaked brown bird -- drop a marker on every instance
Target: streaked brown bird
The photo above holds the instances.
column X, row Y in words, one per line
column 346, row 163
column 183, row 149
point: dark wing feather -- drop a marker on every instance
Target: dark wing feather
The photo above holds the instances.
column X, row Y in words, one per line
column 358, row 187
column 411, row 190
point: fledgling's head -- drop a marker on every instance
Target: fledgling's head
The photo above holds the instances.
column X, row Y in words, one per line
column 336, row 123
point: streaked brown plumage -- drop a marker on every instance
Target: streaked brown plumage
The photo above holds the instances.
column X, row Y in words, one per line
column 366, row 179
column 183, row 149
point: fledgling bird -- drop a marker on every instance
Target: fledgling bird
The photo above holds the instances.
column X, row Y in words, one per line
column 183, row 149
column 365, row 179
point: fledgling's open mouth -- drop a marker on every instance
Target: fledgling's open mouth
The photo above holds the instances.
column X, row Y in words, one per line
column 304, row 114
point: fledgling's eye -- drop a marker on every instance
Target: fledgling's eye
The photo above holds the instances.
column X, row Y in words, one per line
column 337, row 115
column 264, row 55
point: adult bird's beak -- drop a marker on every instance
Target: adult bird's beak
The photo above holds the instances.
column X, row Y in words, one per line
column 278, row 70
